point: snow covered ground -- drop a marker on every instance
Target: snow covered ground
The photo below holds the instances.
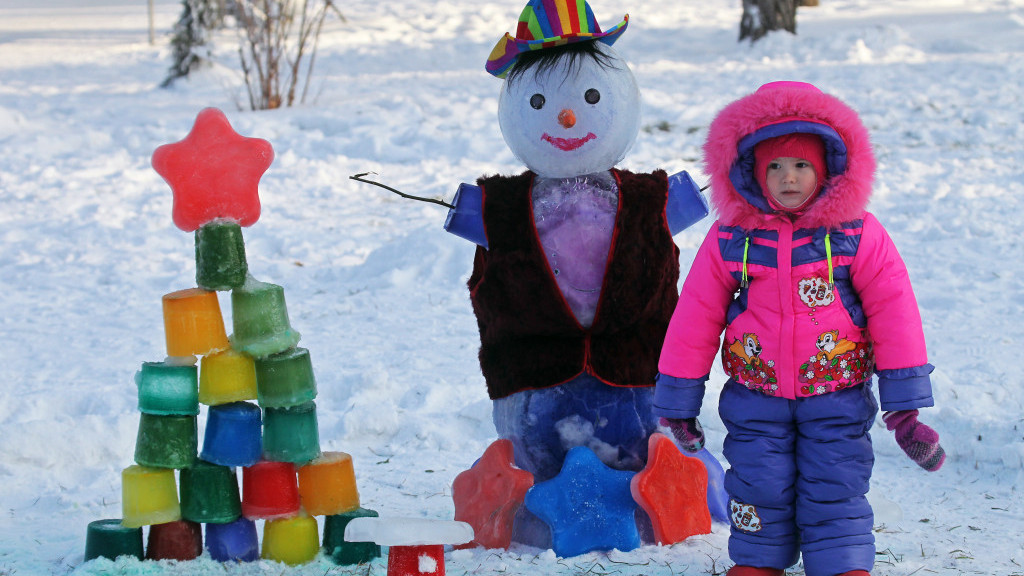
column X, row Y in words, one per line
column 377, row 288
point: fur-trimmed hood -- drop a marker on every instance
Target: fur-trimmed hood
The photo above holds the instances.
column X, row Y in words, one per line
column 783, row 108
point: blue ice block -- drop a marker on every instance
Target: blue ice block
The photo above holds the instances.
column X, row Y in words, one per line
column 718, row 498
column 466, row 218
column 233, row 435
column 543, row 423
column 235, row 541
column 588, row 506
column 686, row 205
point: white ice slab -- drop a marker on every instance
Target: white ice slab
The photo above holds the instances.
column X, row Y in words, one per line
column 407, row 531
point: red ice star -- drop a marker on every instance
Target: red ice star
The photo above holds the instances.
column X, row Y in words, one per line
column 214, row 172
column 672, row 489
column 488, row 495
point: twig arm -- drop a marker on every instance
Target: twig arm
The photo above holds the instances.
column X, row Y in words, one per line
column 359, row 178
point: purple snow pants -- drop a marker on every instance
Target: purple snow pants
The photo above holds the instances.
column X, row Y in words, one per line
column 798, row 478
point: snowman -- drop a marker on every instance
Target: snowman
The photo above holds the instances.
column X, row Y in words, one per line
column 574, row 277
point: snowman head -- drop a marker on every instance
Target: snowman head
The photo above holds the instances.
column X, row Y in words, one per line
column 570, row 110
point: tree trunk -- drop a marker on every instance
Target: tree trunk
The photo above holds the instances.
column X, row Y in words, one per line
column 152, row 33
column 763, row 16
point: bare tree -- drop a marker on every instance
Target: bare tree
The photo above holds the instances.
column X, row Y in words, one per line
column 763, row 16
column 278, row 50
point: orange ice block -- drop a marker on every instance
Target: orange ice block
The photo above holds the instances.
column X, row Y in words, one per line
column 327, row 485
column 193, row 324
column 227, row 376
column 148, row 496
column 293, row 540
column 672, row 489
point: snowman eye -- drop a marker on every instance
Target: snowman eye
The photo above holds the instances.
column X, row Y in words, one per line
column 592, row 96
column 537, row 101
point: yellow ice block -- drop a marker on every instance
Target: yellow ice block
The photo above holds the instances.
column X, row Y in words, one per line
column 148, row 496
column 227, row 376
column 293, row 541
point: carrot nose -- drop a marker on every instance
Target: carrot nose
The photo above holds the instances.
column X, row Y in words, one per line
column 567, row 118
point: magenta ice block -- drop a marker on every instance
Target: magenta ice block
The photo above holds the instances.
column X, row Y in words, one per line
column 168, row 389
column 233, row 435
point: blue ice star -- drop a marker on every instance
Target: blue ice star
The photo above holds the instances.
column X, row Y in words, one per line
column 588, row 506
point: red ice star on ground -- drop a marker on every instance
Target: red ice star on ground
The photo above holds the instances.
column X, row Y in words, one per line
column 214, row 172
column 672, row 489
column 488, row 495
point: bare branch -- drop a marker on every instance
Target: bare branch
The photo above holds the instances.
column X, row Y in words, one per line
column 359, row 178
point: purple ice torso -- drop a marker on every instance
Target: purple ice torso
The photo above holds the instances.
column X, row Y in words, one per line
column 575, row 219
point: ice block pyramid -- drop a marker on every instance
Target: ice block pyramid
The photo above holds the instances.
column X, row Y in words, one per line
column 257, row 386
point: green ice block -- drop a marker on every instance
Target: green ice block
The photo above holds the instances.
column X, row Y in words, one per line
column 260, row 319
column 168, row 389
column 220, row 256
column 209, row 493
column 285, row 379
column 110, row 539
column 347, row 553
column 166, row 441
column 291, row 434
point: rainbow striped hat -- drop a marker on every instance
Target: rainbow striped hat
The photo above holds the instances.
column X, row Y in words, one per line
column 549, row 23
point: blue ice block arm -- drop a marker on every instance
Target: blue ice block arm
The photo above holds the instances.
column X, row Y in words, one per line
column 466, row 216
column 718, row 498
column 686, row 205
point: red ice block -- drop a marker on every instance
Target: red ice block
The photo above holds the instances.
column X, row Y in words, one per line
column 270, row 490
column 488, row 495
column 214, row 173
column 672, row 489
column 179, row 540
column 418, row 560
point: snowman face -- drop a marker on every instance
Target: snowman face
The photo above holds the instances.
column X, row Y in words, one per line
column 569, row 121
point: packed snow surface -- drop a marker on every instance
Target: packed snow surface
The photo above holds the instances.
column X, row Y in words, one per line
column 377, row 288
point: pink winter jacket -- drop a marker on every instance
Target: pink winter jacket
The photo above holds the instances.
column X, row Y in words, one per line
column 809, row 304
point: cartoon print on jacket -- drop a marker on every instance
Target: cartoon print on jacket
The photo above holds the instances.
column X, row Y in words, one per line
column 744, row 516
column 743, row 360
column 816, row 292
column 839, row 363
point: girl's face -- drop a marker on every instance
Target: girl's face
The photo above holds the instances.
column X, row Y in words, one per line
column 791, row 181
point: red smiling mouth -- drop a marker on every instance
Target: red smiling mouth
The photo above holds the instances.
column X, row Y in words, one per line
column 568, row 144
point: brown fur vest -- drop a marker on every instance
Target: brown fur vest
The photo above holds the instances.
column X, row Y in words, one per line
column 529, row 337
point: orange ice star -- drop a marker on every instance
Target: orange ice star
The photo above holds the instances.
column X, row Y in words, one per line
column 214, row 173
column 488, row 495
column 672, row 489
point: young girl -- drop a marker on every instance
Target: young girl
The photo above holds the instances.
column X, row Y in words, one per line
column 813, row 299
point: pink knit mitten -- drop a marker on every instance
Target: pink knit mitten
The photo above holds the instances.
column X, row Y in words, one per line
column 919, row 441
column 687, row 431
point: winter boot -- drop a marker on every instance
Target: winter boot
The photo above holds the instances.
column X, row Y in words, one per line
column 751, row 571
